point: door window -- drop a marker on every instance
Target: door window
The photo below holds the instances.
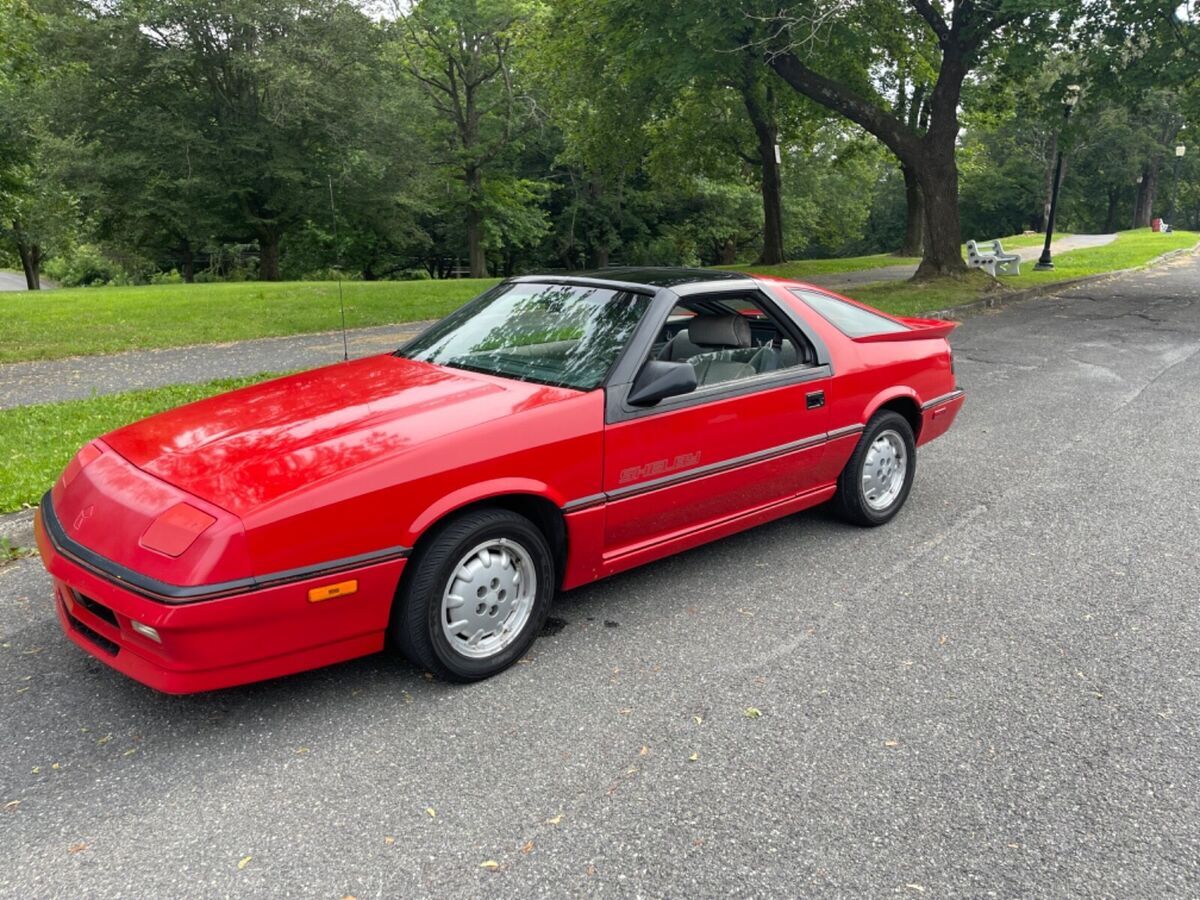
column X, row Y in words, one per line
column 729, row 338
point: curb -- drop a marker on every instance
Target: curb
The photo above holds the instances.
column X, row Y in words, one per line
column 1004, row 297
column 17, row 528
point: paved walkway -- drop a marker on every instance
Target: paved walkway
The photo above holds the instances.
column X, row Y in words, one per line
column 76, row 378
column 48, row 381
column 15, row 281
column 901, row 273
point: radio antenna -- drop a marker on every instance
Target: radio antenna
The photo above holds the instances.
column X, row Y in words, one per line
column 337, row 247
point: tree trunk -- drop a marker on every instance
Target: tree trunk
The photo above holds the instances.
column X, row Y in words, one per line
column 937, row 172
column 914, row 220
column 943, row 231
column 475, row 255
column 600, row 255
column 772, row 199
column 771, row 181
column 187, row 262
column 1043, row 216
column 1110, row 215
column 31, row 258
column 728, row 252
column 1143, row 210
column 930, row 156
column 268, row 260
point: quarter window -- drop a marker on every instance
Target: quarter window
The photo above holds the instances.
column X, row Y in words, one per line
column 851, row 320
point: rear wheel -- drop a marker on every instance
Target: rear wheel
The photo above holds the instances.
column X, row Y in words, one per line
column 879, row 475
column 476, row 597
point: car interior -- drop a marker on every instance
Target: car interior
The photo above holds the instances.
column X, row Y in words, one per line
column 728, row 339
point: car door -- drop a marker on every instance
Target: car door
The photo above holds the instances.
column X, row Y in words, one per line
column 740, row 442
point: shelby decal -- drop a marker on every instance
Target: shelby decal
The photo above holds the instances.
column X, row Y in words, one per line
column 659, row 467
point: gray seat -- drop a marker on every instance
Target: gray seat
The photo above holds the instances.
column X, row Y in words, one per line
column 721, row 348
column 679, row 348
column 770, row 359
column 713, row 370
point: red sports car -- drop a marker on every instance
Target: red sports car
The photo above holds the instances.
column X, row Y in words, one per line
column 551, row 432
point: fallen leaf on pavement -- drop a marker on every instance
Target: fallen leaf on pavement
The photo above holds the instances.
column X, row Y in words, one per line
column 554, row 820
column 244, row 861
column 699, row 720
column 431, row 812
column 915, row 888
column 891, row 743
column 645, row 751
column 77, row 848
column 11, row 805
column 389, row 840
column 752, row 712
column 528, row 848
column 489, row 864
column 693, row 757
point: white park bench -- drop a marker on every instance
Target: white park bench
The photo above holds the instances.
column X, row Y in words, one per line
column 995, row 261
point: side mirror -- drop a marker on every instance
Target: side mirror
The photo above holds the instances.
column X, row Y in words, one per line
column 659, row 379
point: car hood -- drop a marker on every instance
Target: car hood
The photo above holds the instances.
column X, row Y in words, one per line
column 249, row 447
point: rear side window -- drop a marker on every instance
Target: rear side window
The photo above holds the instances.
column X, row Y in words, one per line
column 853, row 321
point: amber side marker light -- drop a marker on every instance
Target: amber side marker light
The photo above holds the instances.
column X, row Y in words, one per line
column 329, row 591
column 145, row 630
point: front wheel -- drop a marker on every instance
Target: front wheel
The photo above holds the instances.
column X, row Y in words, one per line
column 476, row 597
column 879, row 474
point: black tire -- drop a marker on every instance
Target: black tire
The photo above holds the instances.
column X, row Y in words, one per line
column 416, row 626
column 850, row 499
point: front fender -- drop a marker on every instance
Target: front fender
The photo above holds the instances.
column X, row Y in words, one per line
column 476, row 493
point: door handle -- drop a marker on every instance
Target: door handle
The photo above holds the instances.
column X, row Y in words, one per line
column 814, row 399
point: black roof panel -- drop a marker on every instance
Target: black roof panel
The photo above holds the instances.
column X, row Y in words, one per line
column 659, row 276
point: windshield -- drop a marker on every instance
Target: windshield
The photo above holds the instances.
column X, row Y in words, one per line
column 560, row 334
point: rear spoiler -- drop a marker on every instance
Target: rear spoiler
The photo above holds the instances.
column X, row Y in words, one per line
column 918, row 330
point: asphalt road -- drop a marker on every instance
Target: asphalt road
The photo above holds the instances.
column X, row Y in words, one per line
column 996, row 695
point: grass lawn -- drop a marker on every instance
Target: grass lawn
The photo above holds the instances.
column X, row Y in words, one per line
column 36, row 442
column 805, row 268
column 1129, row 250
column 87, row 321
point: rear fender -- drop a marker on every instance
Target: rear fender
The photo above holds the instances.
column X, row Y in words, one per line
column 896, row 392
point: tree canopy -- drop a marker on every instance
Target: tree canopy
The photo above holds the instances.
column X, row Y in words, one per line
column 217, row 139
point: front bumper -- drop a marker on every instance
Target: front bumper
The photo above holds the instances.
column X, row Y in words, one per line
column 238, row 638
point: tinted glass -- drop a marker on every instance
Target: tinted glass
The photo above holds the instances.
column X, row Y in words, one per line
column 851, row 320
column 559, row 334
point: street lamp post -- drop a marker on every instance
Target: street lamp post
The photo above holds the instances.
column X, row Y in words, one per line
column 1179, row 151
column 1069, row 101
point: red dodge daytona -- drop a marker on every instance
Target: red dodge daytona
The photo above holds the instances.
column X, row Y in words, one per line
column 553, row 431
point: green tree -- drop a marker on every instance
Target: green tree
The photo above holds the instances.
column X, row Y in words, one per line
column 461, row 54
column 966, row 31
